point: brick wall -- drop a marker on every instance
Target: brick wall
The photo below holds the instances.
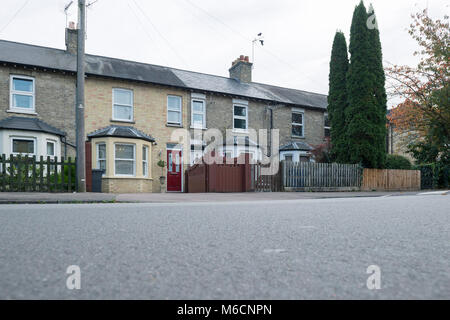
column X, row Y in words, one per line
column 219, row 115
column 150, row 114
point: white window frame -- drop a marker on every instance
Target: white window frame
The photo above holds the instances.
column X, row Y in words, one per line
column 26, row 139
column 12, row 92
column 326, row 127
column 97, row 151
column 145, row 162
column 134, row 159
column 241, row 117
column 203, row 113
column 54, row 148
column 180, row 111
column 302, row 112
column 123, row 105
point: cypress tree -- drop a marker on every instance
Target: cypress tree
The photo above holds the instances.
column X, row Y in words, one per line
column 379, row 90
column 363, row 113
column 337, row 97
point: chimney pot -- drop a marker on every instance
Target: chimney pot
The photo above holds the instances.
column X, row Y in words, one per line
column 71, row 38
column 241, row 69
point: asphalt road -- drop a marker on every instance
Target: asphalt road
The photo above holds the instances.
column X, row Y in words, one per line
column 300, row 249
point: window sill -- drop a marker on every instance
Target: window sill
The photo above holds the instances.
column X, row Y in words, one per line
column 198, row 128
column 22, row 111
column 240, row 131
column 298, row 137
column 174, row 125
column 122, row 121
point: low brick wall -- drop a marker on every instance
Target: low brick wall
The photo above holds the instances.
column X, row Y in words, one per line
column 127, row 185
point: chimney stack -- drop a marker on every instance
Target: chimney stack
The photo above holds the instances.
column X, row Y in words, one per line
column 241, row 69
column 71, row 38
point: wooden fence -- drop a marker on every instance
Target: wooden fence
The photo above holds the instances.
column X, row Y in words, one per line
column 265, row 183
column 27, row 174
column 305, row 176
column 384, row 179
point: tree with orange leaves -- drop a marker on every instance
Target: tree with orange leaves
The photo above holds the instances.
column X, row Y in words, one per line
column 424, row 115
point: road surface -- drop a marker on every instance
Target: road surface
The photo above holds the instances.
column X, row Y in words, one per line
column 297, row 249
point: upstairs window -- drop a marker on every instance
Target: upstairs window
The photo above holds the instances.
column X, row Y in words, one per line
column 298, row 123
column 174, row 110
column 22, row 94
column 240, row 117
column 327, row 125
column 122, row 105
column 198, row 113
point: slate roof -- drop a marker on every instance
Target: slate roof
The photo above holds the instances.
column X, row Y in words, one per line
column 296, row 146
column 121, row 132
column 30, row 55
column 29, row 124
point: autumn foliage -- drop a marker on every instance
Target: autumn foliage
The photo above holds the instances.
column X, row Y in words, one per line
column 425, row 111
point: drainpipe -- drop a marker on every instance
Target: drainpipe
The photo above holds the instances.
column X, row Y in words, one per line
column 64, row 141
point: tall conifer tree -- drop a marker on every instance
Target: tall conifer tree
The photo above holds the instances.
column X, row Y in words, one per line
column 363, row 116
column 337, row 97
column 379, row 89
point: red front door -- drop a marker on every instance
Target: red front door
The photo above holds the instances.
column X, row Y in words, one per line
column 174, row 170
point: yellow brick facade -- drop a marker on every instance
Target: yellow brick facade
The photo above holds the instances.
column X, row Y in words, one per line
column 150, row 116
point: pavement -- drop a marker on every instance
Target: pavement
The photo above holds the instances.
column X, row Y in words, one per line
column 31, row 198
column 264, row 249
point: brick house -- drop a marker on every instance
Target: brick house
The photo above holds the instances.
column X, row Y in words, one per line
column 237, row 104
column 37, row 99
column 134, row 112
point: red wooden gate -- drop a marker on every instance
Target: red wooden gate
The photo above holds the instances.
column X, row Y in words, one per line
column 223, row 177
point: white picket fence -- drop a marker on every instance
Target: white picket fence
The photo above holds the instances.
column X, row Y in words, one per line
column 308, row 175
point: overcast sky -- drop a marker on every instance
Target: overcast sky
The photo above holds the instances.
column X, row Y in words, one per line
column 205, row 35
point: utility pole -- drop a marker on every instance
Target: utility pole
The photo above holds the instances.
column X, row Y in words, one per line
column 79, row 108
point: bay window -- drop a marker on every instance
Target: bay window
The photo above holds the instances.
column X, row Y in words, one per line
column 145, row 161
column 101, row 156
column 124, row 159
column 23, row 146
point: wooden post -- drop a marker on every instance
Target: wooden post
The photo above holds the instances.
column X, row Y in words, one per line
column 69, row 175
column 3, row 172
column 34, row 174
column 63, row 176
column 48, row 174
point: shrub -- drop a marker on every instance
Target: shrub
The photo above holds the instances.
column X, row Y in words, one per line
column 398, row 162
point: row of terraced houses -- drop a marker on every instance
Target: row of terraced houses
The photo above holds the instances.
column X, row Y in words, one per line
column 132, row 111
